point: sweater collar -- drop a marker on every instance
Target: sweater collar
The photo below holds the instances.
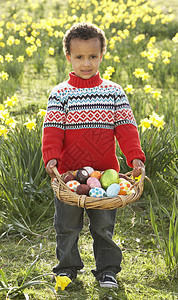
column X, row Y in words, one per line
column 79, row 82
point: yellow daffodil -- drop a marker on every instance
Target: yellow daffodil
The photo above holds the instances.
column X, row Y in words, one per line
column 166, row 54
column 157, row 121
column 147, row 88
column 175, row 38
column 30, row 124
column 3, row 131
column 29, row 52
column 166, row 61
column 11, row 122
column 116, row 59
column 11, row 101
column 106, row 76
column 1, row 59
column 9, row 57
column 51, row 51
column 4, row 75
column 156, row 94
column 38, row 42
column 2, row 44
column 42, row 112
column 107, row 55
column 138, row 72
column 139, row 38
column 10, row 40
column 129, row 89
column 20, row 58
column 150, row 66
column 145, row 124
column 62, row 282
column 4, row 114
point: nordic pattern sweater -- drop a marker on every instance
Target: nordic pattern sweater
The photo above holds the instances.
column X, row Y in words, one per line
column 83, row 120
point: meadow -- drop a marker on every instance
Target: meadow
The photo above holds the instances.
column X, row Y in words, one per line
column 142, row 56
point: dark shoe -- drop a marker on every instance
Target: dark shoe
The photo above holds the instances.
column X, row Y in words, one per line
column 63, row 274
column 66, row 274
column 108, row 281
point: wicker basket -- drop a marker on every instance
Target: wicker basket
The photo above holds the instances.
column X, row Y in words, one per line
column 66, row 195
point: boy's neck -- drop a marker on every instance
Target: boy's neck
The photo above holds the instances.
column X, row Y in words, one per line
column 79, row 82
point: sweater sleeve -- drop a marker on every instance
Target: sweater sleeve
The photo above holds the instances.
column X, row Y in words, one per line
column 53, row 128
column 126, row 129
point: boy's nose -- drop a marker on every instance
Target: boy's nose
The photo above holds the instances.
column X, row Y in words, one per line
column 87, row 62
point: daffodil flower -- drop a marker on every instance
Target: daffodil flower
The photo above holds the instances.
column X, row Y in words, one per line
column 42, row 112
column 62, row 282
column 145, row 124
column 157, row 121
column 31, row 124
column 3, row 131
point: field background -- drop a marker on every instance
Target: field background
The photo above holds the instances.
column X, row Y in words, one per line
column 146, row 230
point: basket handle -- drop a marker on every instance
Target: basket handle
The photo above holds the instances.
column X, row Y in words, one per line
column 55, row 170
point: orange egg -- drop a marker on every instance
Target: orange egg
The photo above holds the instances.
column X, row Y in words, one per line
column 96, row 174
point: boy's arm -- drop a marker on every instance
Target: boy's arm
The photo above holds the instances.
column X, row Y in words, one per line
column 127, row 134
column 129, row 143
column 53, row 130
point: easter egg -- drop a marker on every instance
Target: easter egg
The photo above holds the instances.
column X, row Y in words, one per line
column 83, row 189
column 68, row 177
column 82, row 175
column 89, row 169
column 97, row 192
column 72, row 185
column 96, row 174
column 108, row 177
column 113, row 190
column 125, row 187
column 93, row 182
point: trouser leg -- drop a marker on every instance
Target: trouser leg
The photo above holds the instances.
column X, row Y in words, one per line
column 68, row 222
column 107, row 254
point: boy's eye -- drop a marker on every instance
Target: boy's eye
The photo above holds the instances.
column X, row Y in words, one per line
column 93, row 56
column 79, row 57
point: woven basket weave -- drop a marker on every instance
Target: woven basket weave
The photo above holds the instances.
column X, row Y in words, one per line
column 66, row 195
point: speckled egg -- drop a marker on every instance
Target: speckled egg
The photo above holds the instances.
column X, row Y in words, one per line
column 96, row 174
column 72, row 185
column 89, row 169
column 125, row 187
column 97, row 192
column 113, row 190
column 93, row 182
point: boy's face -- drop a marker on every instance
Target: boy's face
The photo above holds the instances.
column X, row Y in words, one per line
column 85, row 56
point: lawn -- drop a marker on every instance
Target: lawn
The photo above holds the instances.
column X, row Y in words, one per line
column 142, row 57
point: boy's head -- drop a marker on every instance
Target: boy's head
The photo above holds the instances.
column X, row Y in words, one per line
column 84, row 31
column 84, row 45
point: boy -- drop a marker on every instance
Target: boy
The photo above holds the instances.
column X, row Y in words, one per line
column 84, row 116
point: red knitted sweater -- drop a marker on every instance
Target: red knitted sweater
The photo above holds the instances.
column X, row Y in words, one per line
column 84, row 116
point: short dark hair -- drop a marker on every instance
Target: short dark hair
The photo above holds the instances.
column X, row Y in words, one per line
column 83, row 31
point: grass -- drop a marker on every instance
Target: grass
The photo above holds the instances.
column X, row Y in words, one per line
column 143, row 276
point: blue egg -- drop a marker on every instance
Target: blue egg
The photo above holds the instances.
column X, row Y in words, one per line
column 113, row 190
column 97, row 192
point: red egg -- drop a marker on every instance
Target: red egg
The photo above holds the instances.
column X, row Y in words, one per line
column 83, row 189
column 68, row 177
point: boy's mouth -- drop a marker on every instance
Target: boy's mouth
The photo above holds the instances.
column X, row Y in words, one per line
column 86, row 71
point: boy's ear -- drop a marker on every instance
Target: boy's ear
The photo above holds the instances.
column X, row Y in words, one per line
column 101, row 57
column 68, row 58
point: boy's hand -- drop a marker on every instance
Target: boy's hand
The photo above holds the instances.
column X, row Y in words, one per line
column 138, row 165
column 51, row 163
